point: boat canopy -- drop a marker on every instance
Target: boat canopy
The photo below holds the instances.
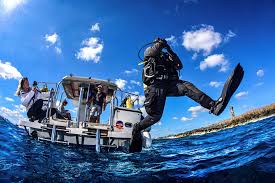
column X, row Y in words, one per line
column 72, row 85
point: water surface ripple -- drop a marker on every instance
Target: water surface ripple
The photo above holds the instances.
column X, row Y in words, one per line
column 242, row 154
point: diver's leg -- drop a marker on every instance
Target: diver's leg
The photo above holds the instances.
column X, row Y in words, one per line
column 185, row 88
column 154, row 105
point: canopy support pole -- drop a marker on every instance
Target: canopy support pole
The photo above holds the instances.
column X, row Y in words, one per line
column 53, row 136
column 79, row 105
column 97, row 146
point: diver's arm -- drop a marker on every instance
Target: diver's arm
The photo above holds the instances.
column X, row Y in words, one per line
column 154, row 50
column 174, row 58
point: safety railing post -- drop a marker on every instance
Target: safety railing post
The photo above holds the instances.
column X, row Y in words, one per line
column 79, row 105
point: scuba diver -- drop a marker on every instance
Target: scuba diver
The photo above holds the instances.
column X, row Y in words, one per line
column 161, row 76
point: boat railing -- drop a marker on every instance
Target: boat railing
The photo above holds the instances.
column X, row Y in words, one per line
column 124, row 95
column 57, row 91
column 52, row 97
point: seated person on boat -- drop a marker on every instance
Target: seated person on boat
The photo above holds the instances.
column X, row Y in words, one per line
column 65, row 113
column 32, row 99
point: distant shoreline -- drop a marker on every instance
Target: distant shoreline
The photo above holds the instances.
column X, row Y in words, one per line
column 245, row 118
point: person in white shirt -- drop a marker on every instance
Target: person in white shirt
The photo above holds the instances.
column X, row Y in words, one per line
column 32, row 99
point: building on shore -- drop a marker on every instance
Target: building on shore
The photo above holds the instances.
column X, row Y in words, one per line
column 232, row 113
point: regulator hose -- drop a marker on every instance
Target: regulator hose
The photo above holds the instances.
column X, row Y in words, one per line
column 144, row 47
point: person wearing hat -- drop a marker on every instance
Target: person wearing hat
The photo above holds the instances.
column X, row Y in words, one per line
column 99, row 103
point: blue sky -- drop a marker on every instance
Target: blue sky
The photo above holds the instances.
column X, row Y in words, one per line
column 46, row 40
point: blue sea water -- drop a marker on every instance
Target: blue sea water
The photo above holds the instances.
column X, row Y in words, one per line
column 241, row 154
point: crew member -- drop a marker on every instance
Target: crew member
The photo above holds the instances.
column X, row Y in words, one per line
column 99, row 103
column 65, row 113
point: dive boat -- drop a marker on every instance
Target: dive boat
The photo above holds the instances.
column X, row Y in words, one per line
column 115, row 133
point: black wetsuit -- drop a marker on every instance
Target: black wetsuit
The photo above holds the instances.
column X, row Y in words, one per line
column 161, row 76
column 167, row 83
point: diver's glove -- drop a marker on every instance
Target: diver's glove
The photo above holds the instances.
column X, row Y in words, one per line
column 162, row 42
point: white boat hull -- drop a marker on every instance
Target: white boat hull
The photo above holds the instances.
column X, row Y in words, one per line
column 57, row 131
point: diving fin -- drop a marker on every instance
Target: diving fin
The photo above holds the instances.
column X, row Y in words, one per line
column 229, row 88
column 136, row 141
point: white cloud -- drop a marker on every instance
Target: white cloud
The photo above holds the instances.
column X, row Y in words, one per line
column 121, row 83
column 10, row 5
column 241, row 94
column 172, row 40
column 215, row 84
column 51, row 38
column 20, row 108
column 58, row 50
column 95, row 27
column 53, row 41
column 175, row 118
column 159, row 123
column 186, row 119
column 195, row 110
column 7, row 71
column 91, row 51
column 13, row 115
column 229, row 35
column 132, row 71
column 205, row 39
column 260, row 73
column 247, row 107
column 213, row 61
column 135, row 82
column 195, row 56
column 9, row 99
column 259, row 84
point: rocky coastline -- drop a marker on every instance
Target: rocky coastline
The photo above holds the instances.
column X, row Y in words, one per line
column 248, row 117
